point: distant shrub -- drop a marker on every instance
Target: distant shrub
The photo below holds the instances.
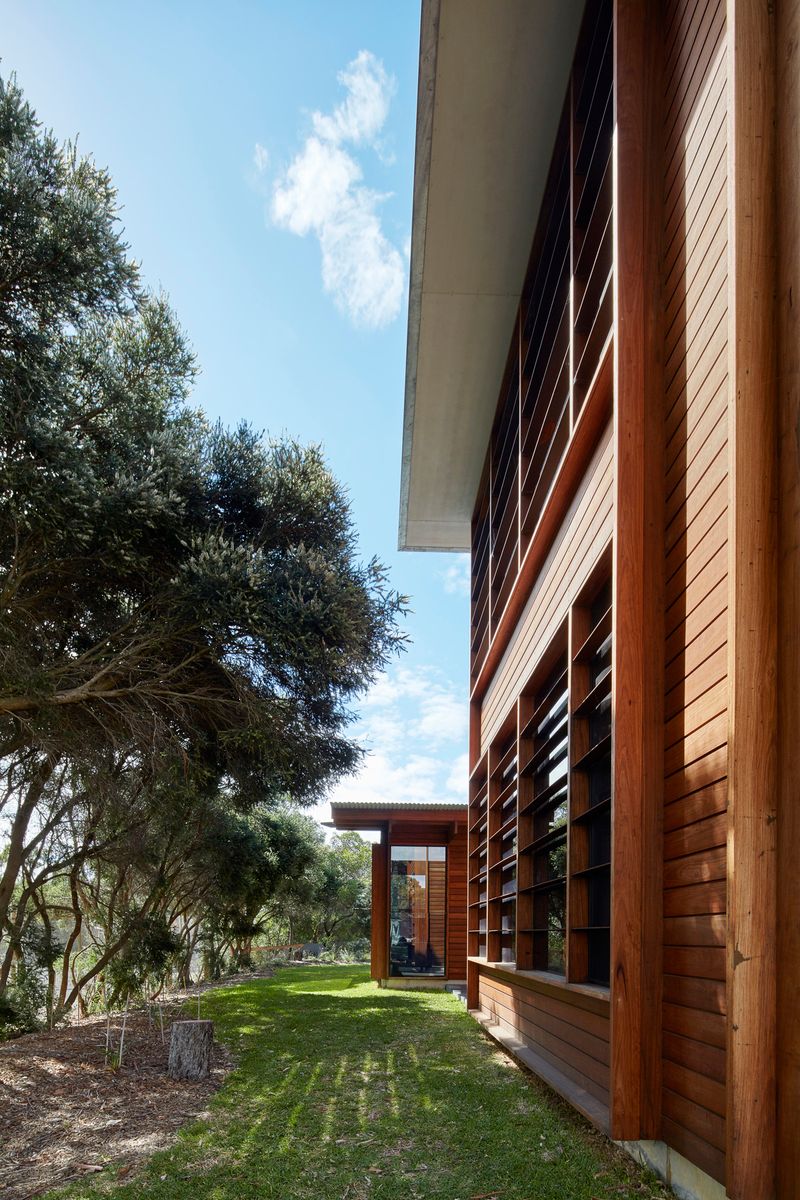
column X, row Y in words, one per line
column 23, row 1005
column 149, row 952
column 347, row 953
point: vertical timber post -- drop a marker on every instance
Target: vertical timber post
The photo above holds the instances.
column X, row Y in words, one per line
column 788, row 903
column 638, row 689
column 752, row 605
column 473, row 974
column 380, row 909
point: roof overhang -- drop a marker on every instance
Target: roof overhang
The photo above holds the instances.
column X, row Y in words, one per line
column 349, row 814
column 492, row 81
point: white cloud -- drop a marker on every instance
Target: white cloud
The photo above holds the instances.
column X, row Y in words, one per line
column 413, row 726
column 458, row 778
column 456, row 577
column 362, row 114
column 322, row 193
column 260, row 158
column 442, row 718
column 415, row 778
column 414, row 704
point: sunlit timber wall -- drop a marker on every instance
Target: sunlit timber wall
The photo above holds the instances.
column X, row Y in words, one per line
column 627, row 762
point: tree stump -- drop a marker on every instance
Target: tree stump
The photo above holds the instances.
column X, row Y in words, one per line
column 190, row 1049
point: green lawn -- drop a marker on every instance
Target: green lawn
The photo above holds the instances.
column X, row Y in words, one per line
column 345, row 1091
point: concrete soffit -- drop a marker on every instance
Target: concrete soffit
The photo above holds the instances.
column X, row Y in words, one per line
column 492, row 82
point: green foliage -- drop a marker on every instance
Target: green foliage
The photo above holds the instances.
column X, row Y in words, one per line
column 60, row 248
column 160, row 578
column 331, row 901
column 146, row 955
column 357, row 951
column 184, row 621
column 13, row 1021
column 23, row 1004
column 251, row 856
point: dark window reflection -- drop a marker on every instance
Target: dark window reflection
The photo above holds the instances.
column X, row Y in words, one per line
column 418, row 913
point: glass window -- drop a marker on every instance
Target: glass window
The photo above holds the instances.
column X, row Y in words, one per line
column 540, row 829
column 418, row 910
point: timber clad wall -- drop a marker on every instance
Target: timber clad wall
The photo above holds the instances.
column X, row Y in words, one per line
column 570, row 1036
column 696, row 686
column 631, row 884
column 567, row 1026
column 457, row 905
column 634, row 631
column 585, row 531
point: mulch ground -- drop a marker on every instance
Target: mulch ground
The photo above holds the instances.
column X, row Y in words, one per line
column 64, row 1113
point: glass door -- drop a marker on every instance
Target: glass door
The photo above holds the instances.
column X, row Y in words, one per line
column 418, row 910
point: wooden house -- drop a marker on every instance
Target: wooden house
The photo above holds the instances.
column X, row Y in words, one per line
column 603, row 409
column 419, row 888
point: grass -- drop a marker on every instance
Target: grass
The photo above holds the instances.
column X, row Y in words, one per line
column 344, row 1091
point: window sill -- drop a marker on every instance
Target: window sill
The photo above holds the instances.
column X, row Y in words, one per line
column 534, row 979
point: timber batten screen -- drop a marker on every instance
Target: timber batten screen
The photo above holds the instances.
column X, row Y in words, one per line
column 560, row 341
column 540, row 788
column 543, row 822
column 626, row 919
column 540, row 813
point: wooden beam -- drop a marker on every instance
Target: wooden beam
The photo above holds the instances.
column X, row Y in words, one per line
column 473, row 985
column 638, row 690
column 379, row 929
column 752, row 605
column 788, row 901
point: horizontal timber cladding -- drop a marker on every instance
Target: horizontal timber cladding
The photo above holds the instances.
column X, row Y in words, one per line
column 586, row 530
column 696, row 587
column 566, row 1028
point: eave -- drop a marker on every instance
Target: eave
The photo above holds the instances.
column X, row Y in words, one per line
column 378, row 815
column 482, row 155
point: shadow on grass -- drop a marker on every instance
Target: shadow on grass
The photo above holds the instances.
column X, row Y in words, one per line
column 343, row 1090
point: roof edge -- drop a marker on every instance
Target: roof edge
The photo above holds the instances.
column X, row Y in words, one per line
column 428, row 805
column 426, row 98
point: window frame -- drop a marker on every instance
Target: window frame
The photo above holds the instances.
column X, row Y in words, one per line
column 583, row 649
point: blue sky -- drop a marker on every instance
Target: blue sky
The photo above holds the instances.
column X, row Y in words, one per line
column 264, row 154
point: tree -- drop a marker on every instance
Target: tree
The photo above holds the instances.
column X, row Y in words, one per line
column 134, row 878
column 251, row 856
column 331, row 901
column 170, row 592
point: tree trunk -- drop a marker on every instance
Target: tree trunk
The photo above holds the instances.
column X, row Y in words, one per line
column 77, row 927
column 190, row 1049
column 16, row 837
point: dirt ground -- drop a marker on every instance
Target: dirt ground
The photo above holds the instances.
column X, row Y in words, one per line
column 64, row 1113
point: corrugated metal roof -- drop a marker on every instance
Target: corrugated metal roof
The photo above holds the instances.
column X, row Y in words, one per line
column 401, row 804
